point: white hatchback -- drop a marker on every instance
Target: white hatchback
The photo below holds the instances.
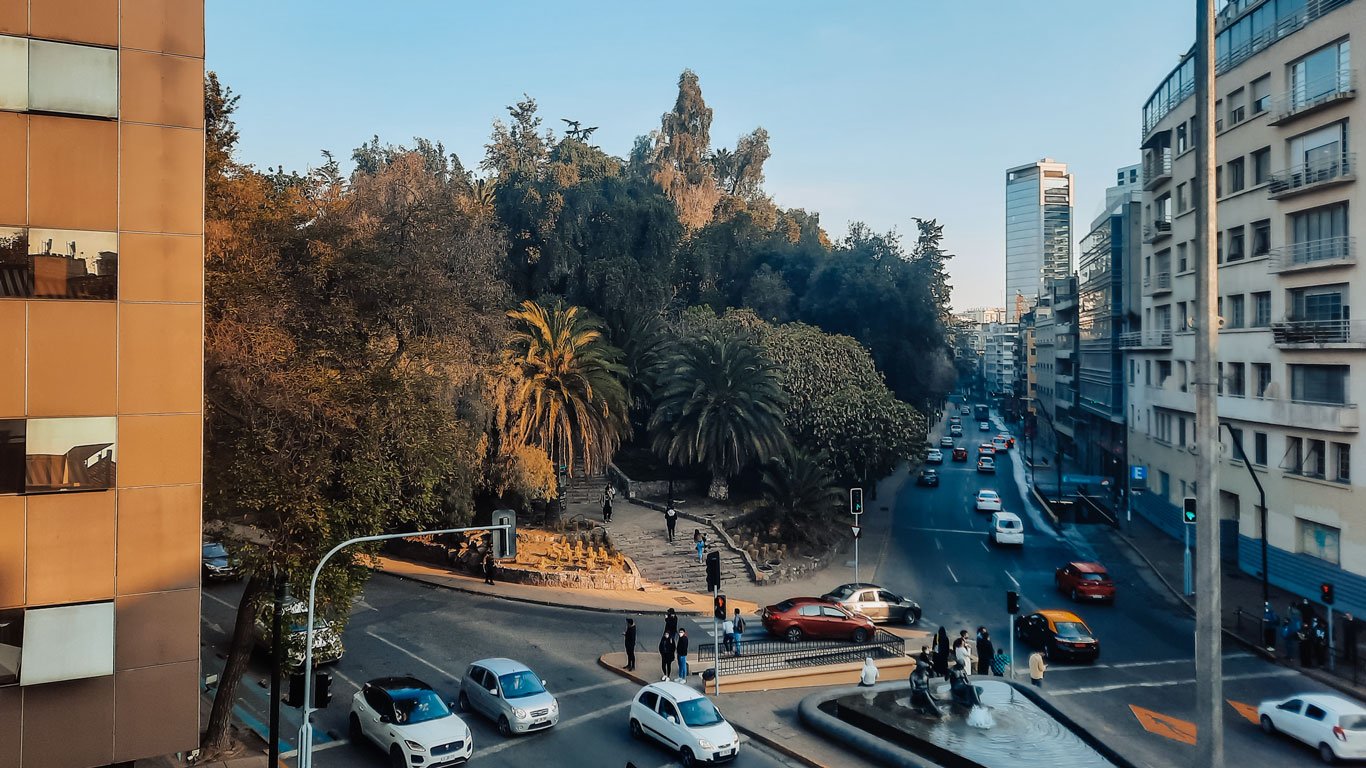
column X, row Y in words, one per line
column 685, row 721
column 988, row 501
column 410, row 722
column 1007, row 528
column 1335, row 726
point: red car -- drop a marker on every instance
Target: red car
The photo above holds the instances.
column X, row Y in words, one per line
column 1085, row 581
column 960, row 454
column 803, row 617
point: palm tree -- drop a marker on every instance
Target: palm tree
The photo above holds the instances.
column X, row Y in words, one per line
column 799, row 492
column 720, row 405
column 566, row 394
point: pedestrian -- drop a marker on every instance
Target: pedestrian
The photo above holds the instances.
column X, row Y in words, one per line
column 1000, row 663
column 489, row 567
column 1292, row 634
column 941, row 653
column 1307, row 612
column 1320, row 633
column 867, row 678
column 986, row 652
column 1305, row 642
column 607, row 504
column 666, row 654
column 969, row 644
column 1269, row 629
column 670, row 520
column 1349, row 638
column 962, row 652
column 738, row 630
column 1036, row 669
column 728, row 634
column 682, row 655
column 671, row 624
column 700, row 541
column 924, row 660
column 629, row 638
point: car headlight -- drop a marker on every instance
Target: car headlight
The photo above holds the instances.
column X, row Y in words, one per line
column 703, row 743
column 414, row 746
column 520, row 713
column 554, row 706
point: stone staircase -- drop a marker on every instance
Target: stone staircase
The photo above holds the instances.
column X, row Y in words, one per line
column 675, row 566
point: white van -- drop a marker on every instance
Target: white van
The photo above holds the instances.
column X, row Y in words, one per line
column 1007, row 528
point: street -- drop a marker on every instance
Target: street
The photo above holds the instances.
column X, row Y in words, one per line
column 403, row 627
column 939, row 555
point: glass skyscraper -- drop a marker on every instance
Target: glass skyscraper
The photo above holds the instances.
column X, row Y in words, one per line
column 1038, row 231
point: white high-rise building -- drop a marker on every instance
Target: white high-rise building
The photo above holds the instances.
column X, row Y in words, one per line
column 1038, row 231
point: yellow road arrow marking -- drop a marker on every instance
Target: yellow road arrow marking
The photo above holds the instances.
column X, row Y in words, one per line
column 1165, row 725
column 1246, row 710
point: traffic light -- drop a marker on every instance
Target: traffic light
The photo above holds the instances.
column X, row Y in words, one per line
column 713, row 571
column 1188, row 511
column 322, row 690
column 505, row 542
column 1326, row 593
column 294, row 697
column 1012, row 602
column 718, row 607
column 855, row 501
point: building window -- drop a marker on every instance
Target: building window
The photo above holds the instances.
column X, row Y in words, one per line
column 1148, row 372
column 11, row 645
column 1320, row 75
column 1294, row 455
column 1319, row 155
column 1236, row 177
column 13, row 73
column 1219, row 181
column 73, row 79
column 58, row 264
column 1234, row 318
column 1182, row 318
column 1261, row 165
column 69, row 454
column 1181, row 197
column 1259, row 448
column 1237, row 384
column 1237, row 107
column 1319, row 384
column 1261, row 94
column 1180, row 257
column 1181, row 428
column 1261, row 377
column 1314, row 459
column 1238, row 446
column 1235, row 244
column 1318, row 303
column 1164, row 372
column 12, row 456
column 1166, row 483
column 1319, row 234
column 1318, row 540
column 1342, row 462
column 1261, row 309
column 1261, row 237
column 1182, row 142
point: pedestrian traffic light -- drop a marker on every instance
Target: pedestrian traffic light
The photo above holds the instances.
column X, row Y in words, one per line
column 1326, row 593
column 1012, row 602
column 713, row 571
column 505, row 542
column 322, row 690
column 1188, row 511
column 718, row 607
column 294, row 697
column 855, row 501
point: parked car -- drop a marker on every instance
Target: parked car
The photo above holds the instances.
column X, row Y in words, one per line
column 956, row 430
column 217, row 564
column 934, row 456
column 1085, row 581
column 986, row 449
column 408, row 720
column 998, row 444
column 327, row 642
column 1333, row 725
column 1006, row 528
column 685, row 721
column 1059, row 634
column 984, row 426
column 928, row 477
column 800, row 617
column 510, row 694
column 875, row 602
column 988, row 501
column 986, row 464
column 960, row 454
column 946, row 442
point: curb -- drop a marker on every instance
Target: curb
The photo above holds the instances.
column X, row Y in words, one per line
column 762, row 738
column 533, row 601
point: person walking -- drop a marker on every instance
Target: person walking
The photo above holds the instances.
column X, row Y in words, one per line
column 671, row 624
column 1349, row 638
column 728, row 634
column 737, row 630
column 1269, row 629
column 682, row 655
column 666, row 654
column 1036, row 669
column 986, row 651
column 670, row 520
column 941, row 653
column 699, row 540
column 629, row 639
column 489, row 567
column 607, row 504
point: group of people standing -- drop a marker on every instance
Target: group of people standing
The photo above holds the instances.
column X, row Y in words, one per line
column 974, row 654
column 674, row 643
column 1302, row 633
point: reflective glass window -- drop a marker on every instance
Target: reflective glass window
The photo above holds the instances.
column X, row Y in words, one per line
column 74, row 79
column 11, row 644
column 13, row 73
column 16, row 279
column 69, row 454
column 12, row 456
column 71, row 264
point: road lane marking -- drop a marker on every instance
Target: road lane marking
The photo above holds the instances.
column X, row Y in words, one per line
column 1165, row 683
column 1246, row 710
column 948, row 530
column 984, row 546
column 1132, row 664
column 562, row 725
column 938, row 544
column 412, row 655
column 349, row 681
column 1012, row 578
column 951, row 573
column 1166, row 726
column 587, row 688
column 293, row 753
column 218, row 600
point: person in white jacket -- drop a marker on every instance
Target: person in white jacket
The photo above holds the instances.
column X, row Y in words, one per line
column 868, row 677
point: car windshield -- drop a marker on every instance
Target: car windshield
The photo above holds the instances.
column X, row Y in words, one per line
column 215, row 550
column 417, row 705
column 1353, row 722
column 1093, row 577
column 700, row 712
column 517, row 685
column 1071, row 629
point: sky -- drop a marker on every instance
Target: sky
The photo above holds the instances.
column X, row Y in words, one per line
column 877, row 111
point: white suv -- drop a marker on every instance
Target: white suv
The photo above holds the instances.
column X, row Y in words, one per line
column 410, row 722
column 685, row 721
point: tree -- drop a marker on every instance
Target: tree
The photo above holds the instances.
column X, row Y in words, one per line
column 721, row 406
column 682, row 166
column 799, row 495
column 566, row 395
column 741, row 173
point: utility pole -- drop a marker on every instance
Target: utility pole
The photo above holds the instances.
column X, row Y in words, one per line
column 277, row 661
column 1209, row 687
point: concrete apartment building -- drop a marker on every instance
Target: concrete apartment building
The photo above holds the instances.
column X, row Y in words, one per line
column 1292, row 357
column 1053, row 385
column 101, row 378
column 1039, row 199
column 1002, row 340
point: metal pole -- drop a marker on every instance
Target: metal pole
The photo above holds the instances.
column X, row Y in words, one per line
column 1332, row 646
column 857, row 580
column 305, row 731
column 1209, row 687
column 1012, row 646
column 276, row 661
column 716, row 643
column 1186, row 560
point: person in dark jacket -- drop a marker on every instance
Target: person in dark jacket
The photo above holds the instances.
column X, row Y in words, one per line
column 670, row 521
column 1269, row 624
column 941, row 653
column 671, row 624
column 666, row 655
column 489, row 568
column 629, row 638
column 1320, row 640
column 924, row 661
column 986, row 651
column 1305, row 642
column 682, row 649
column 607, row 506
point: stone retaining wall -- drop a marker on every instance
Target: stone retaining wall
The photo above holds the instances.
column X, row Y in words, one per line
column 466, row 558
column 636, row 489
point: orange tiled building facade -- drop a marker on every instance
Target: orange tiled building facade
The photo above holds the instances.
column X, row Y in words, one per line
column 101, row 378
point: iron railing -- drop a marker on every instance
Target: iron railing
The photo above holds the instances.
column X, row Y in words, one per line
column 1157, row 167
column 1324, row 252
column 1336, row 85
column 1316, row 332
column 1338, row 167
column 1157, row 229
column 771, row 655
column 1160, row 282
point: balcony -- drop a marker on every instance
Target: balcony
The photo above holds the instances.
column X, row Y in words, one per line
column 1296, row 103
column 1157, row 283
column 1157, row 230
column 1328, row 252
column 1157, row 168
column 1335, row 169
column 1301, row 414
column 1159, row 339
column 1319, row 334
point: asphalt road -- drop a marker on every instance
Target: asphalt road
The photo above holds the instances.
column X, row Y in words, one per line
column 402, row 627
column 939, row 556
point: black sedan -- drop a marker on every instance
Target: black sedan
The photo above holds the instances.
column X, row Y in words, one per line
column 928, row 477
column 1059, row 634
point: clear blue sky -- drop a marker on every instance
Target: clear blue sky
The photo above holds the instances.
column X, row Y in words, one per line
column 876, row 111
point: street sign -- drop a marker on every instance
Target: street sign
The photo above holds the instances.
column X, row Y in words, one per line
column 1086, row 480
column 856, row 530
column 1138, row 472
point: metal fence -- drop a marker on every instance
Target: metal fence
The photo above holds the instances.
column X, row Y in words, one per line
column 770, row 655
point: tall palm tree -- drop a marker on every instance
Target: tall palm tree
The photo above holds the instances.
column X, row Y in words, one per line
column 720, row 405
column 566, row 394
column 800, row 492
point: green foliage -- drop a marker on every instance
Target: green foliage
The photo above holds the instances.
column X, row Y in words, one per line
column 681, row 160
column 799, row 495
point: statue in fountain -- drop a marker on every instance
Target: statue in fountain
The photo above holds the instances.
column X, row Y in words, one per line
column 922, row 700
column 964, row 692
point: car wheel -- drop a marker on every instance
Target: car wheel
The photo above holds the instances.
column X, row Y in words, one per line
column 911, row 617
column 793, row 634
column 1325, row 753
column 353, row 730
column 464, row 702
column 1267, row 725
column 396, row 758
column 685, row 757
column 504, row 727
column 860, row 635
column 1074, row 595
